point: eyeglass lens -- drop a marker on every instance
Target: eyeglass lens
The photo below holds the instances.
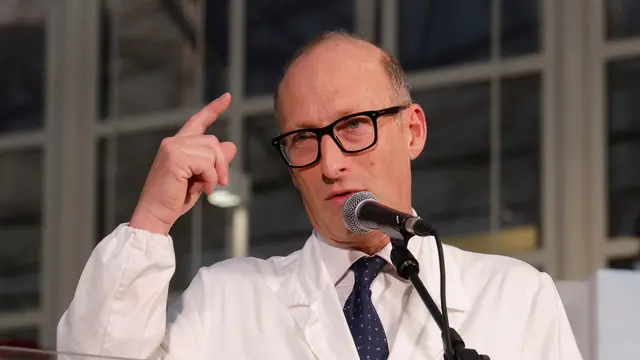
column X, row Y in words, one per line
column 353, row 134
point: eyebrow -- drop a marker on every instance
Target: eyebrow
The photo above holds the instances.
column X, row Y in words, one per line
column 305, row 124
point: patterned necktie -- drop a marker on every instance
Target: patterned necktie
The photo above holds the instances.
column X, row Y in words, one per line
column 362, row 317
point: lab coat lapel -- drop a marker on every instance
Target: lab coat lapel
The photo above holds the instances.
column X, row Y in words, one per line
column 314, row 304
column 419, row 337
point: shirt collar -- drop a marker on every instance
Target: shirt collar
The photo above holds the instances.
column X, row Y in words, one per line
column 338, row 260
column 323, row 264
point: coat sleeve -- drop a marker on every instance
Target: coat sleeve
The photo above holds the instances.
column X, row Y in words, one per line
column 120, row 304
column 548, row 334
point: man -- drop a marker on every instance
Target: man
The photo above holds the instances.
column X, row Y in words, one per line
column 336, row 298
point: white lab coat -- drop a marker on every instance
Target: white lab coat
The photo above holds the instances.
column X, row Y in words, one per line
column 286, row 308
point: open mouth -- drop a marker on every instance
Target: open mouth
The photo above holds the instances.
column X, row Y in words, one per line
column 341, row 197
column 346, row 193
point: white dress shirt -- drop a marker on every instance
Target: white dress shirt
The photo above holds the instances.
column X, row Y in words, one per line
column 389, row 292
column 290, row 307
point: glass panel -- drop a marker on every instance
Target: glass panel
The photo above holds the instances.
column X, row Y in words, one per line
column 20, row 229
column 625, row 263
column 22, row 65
column 216, row 223
column 275, row 30
column 216, row 47
column 279, row 216
column 451, row 178
column 520, row 192
column 520, row 27
column 263, row 161
column 19, row 337
column 443, row 32
column 378, row 22
column 135, row 155
column 278, row 220
column 624, row 146
column 622, row 18
column 153, row 60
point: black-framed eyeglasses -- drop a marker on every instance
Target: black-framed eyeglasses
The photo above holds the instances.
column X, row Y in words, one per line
column 352, row 133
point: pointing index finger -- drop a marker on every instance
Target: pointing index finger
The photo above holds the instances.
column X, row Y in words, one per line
column 198, row 123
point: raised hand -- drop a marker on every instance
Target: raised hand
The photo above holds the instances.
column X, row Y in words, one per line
column 186, row 165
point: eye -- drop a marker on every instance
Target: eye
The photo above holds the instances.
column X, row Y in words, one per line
column 301, row 137
column 354, row 124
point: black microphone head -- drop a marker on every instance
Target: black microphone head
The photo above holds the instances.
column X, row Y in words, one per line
column 351, row 208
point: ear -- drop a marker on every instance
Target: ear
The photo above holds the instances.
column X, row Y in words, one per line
column 416, row 130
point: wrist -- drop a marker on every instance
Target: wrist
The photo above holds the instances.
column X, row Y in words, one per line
column 144, row 221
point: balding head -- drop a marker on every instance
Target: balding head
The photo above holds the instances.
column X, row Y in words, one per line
column 340, row 40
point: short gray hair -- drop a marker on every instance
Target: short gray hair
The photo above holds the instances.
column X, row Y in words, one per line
column 391, row 65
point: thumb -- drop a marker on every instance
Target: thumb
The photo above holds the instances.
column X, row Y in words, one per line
column 228, row 149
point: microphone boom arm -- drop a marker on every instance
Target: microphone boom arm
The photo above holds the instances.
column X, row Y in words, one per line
column 408, row 268
column 362, row 213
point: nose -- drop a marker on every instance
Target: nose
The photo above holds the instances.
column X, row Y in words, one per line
column 332, row 159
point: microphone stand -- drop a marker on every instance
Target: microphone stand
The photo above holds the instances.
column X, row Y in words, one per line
column 408, row 268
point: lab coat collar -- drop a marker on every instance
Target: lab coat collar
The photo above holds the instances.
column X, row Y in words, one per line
column 313, row 302
column 312, row 275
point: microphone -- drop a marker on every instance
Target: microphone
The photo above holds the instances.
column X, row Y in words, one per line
column 363, row 213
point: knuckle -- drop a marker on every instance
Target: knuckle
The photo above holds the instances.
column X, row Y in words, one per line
column 213, row 139
column 170, row 150
column 167, row 148
column 166, row 143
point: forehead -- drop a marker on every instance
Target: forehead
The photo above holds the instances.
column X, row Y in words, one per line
column 331, row 81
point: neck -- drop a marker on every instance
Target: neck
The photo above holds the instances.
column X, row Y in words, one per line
column 369, row 243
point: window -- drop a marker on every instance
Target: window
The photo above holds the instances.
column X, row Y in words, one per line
column 275, row 30
column 520, row 27
column 162, row 55
column 22, row 59
column 625, row 263
column 623, row 89
column 455, row 186
column 441, row 33
column 451, row 179
column 622, row 18
column 20, row 229
column 520, row 148
column 278, row 220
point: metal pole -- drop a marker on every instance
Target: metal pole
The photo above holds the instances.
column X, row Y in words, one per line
column 238, row 227
column 71, row 109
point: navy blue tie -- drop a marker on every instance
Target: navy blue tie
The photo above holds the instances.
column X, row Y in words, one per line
column 362, row 317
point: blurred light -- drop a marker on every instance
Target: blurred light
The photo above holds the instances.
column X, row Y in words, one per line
column 224, row 198
column 234, row 194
